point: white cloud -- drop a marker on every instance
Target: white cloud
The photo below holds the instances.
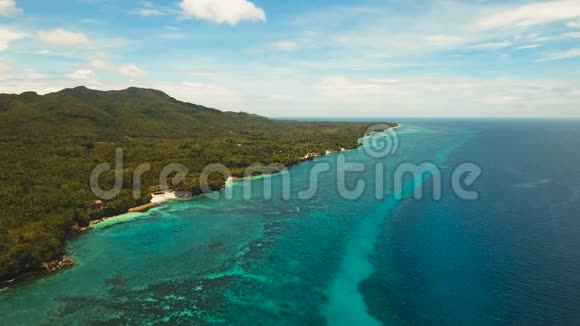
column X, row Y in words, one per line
column 306, row 40
column 83, row 74
column 530, row 14
column 8, row 8
column 344, row 87
column 366, row 42
column 443, row 40
column 204, row 89
column 147, row 12
column 350, row 96
column 204, row 73
column 129, row 70
column 572, row 35
column 286, row 45
column 223, row 11
column 498, row 99
column 492, row 45
column 31, row 74
column 442, row 26
column 7, row 36
column 443, row 96
column 62, row 37
column 5, row 70
column 377, row 64
column 572, row 53
column 280, row 97
column 103, row 65
column 132, row 71
column 529, row 46
column 573, row 24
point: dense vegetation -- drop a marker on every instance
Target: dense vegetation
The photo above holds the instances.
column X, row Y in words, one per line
column 49, row 145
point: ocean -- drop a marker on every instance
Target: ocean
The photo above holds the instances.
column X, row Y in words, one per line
column 382, row 257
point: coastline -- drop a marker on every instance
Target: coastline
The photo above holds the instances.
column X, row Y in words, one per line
column 156, row 200
column 133, row 213
column 308, row 157
column 142, row 208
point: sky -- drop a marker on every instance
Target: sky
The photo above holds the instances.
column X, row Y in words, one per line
column 304, row 58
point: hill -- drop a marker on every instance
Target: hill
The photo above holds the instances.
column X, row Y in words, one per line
column 49, row 144
column 133, row 112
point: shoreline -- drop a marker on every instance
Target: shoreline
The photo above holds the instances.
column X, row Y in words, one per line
column 142, row 208
column 65, row 261
column 162, row 197
column 157, row 199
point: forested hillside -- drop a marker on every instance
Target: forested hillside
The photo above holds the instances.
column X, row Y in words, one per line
column 49, row 145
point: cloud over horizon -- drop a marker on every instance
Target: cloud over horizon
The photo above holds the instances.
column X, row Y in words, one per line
column 8, row 8
column 530, row 14
column 62, row 37
column 224, row 11
column 129, row 70
column 9, row 35
column 366, row 58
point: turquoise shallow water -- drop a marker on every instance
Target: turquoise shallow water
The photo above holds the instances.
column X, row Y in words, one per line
column 328, row 260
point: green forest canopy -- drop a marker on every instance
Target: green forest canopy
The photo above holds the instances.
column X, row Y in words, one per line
column 49, row 145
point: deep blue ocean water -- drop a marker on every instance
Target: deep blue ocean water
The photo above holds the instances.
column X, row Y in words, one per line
column 510, row 257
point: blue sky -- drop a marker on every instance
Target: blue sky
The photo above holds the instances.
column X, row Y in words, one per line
column 306, row 58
